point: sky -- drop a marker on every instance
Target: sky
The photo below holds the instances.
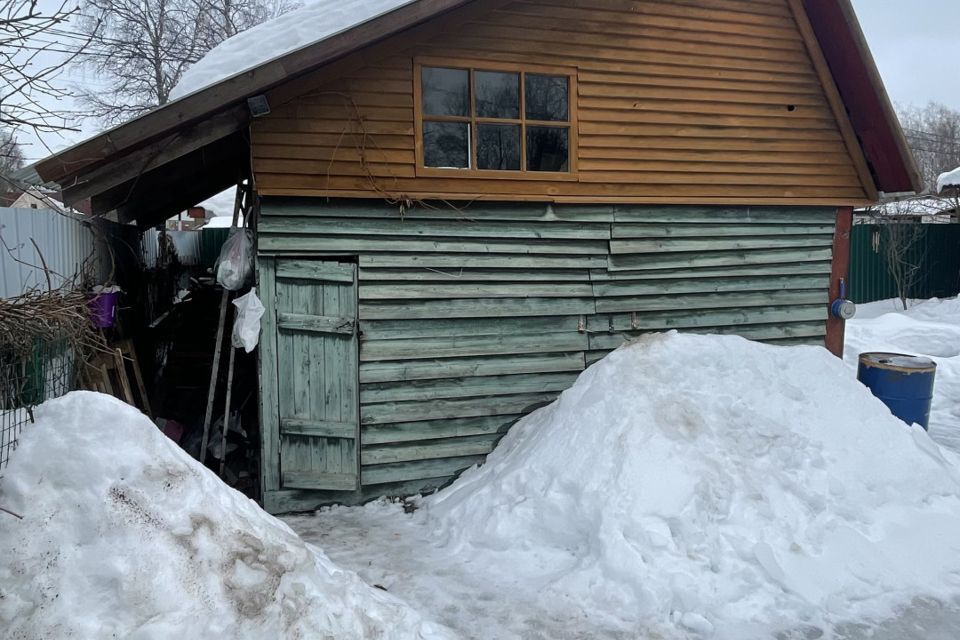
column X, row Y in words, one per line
column 914, row 42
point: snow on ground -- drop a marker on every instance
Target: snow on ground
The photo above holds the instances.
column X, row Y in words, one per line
column 927, row 328
column 316, row 21
column 125, row 536
column 685, row 487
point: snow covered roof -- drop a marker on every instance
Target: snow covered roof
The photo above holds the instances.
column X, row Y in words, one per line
column 948, row 179
column 275, row 38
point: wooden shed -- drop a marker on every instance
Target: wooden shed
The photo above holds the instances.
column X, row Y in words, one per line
column 463, row 204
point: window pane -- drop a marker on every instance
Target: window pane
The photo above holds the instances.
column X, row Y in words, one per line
column 498, row 94
column 547, row 97
column 446, row 144
column 498, row 147
column 548, row 148
column 445, row 92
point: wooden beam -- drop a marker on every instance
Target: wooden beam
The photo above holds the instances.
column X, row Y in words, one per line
column 152, row 156
column 841, row 268
column 834, row 98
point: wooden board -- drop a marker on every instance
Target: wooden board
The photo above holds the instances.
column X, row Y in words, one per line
column 672, row 104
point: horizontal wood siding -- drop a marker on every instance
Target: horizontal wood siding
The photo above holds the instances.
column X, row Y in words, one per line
column 459, row 341
column 678, row 101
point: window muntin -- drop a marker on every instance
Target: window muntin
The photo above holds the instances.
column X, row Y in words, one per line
column 487, row 121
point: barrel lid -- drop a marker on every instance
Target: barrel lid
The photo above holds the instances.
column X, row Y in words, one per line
column 897, row 361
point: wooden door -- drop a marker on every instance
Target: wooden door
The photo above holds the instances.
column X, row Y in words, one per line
column 317, row 388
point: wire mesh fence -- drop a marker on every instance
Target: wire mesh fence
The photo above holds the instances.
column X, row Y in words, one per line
column 48, row 371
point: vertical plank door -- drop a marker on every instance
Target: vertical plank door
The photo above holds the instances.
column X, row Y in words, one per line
column 317, row 362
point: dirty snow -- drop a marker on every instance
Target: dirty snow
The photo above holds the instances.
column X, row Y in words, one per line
column 125, row 536
column 927, row 328
column 684, row 487
column 948, row 179
column 299, row 28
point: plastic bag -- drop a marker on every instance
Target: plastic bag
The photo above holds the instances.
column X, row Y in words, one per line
column 246, row 326
column 234, row 267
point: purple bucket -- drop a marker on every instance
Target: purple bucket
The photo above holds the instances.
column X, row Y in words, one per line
column 103, row 308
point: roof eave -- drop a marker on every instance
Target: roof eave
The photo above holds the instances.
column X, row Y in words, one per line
column 858, row 79
column 231, row 91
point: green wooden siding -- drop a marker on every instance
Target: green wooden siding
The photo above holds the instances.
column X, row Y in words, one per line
column 468, row 319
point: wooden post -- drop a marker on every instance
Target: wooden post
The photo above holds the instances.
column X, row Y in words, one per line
column 840, row 269
column 226, row 409
column 212, row 389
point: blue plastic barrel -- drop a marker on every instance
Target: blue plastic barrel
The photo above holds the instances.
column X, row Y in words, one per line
column 904, row 383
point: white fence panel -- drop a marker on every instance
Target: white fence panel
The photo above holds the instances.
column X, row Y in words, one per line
column 65, row 243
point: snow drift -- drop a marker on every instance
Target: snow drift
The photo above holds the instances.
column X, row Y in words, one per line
column 717, row 487
column 125, row 536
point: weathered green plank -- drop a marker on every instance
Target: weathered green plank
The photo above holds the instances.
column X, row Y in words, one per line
column 269, row 393
column 431, row 291
column 319, row 480
column 673, row 230
column 726, row 215
column 456, row 346
column 711, row 300
column 707, row 285
column 734, row 271
column 381, row 276
column 481, row 386
column 315, row 270
column 505, row 211
column 318, row 428
column 449, row 448
column 415, row 411
column 420, row 228
column 670, row 245
column 346, row 245
column 315, row 324
column 476, row 308
column 689, row 318
column 629, row 262
column 484, row 260
column 753, row 332
column 428, row 328
column 434, row 429
column 404, row 471
column 463, row 367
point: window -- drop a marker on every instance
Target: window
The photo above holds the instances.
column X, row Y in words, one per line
column 484, row 120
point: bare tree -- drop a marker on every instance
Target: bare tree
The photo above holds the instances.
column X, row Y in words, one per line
column 898, row 238
column 35, row 46
column 11, row 156
column 141, row 49
column 933, row 133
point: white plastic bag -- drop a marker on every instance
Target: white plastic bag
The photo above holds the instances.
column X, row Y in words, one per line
column 235, row 264
column 246, row 326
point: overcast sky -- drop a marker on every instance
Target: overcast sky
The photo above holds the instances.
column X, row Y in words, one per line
column 916, row 44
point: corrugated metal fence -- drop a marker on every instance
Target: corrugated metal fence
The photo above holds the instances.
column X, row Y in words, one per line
column 65, row 242
column 935, row 249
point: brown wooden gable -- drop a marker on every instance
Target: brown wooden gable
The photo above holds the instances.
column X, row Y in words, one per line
column 678, row 101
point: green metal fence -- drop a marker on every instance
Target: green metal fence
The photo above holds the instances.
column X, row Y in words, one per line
column 48, row 372
column 933, row 250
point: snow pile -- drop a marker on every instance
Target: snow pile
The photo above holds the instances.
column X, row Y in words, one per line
column 125, row 536
column 294, row 30
column 948, row 179
column 928, row 328
column 715, row 487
